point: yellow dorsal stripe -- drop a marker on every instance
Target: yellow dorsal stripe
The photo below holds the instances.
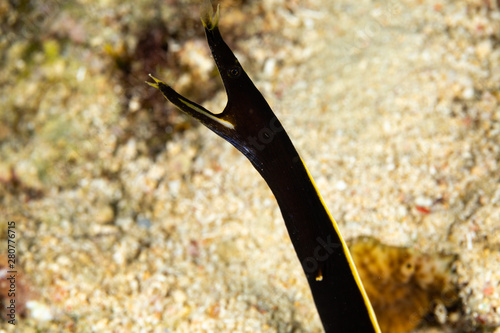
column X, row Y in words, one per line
column 369, row 308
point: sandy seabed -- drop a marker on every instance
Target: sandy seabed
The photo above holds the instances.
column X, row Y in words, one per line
column 394, row 107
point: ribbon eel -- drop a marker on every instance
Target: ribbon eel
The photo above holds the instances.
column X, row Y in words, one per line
column 250, row 125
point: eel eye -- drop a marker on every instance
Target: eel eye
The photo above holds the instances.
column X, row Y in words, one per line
column 234, row 72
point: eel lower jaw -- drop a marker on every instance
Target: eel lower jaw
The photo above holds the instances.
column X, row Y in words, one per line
column 155, row 84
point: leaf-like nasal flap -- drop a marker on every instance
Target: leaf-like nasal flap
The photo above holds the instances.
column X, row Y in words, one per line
column 208, row 18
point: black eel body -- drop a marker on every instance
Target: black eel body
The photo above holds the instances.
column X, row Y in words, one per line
column 250, row 125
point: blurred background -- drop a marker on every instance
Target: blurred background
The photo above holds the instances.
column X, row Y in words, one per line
column 132, row 217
